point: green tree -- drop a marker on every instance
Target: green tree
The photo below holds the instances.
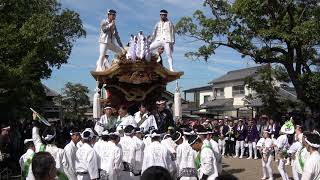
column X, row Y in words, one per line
column 267, row 91
column 74, row 101
column 284, row 32
column 35, row 36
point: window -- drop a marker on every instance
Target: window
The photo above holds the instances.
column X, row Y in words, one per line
column 206, row 98
column 237, row 90
column 219, row 92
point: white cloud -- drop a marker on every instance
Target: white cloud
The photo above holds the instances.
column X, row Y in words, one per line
column 217, row 70
column 89, row 27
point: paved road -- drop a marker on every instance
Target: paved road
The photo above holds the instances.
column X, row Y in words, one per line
column 245, row 169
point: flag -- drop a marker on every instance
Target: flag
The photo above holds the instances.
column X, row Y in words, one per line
column 40, row 118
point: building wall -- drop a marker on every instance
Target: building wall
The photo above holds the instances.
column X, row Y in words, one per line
column 228, row 92
column 201, row 97
column 203, row 94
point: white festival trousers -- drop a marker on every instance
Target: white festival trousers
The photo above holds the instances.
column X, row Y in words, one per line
column 282, row 169
column 168, row 48
column 102, row 53
column 295, row 174
column 222, row 146
column 239, row 146
column 252, row 145
column 266, row 168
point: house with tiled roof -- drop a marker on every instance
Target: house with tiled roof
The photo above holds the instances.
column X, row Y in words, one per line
column 226, row 95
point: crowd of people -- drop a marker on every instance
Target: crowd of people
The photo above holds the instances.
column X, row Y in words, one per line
column 149, row 145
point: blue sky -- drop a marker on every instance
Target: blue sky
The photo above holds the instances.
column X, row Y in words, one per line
column 132, row 16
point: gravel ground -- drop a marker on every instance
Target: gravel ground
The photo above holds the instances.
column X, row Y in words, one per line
column 245, row 169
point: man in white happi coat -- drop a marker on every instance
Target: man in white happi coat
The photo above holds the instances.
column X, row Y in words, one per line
column 139, row 153
column 205, row 161
column 216, row 150
column 87, row 158
column 311, row 169
column 109, row 39
column 124, row 119
column 101, row 147
column 205, row 138
column 25, row 160
column 265, row 146
column 185, row 159
column 164, row 35
column 171, row 146
column 106, row 122
column 71, row 149
column 59, row 155
column 282, row 145
column 156, row 154
column 144, row 119
column 299, row 154
column 129, row 149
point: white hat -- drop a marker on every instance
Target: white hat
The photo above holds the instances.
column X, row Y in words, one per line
column 87, row 134
column 107, row 107
column 226, row 117
column 27, row 140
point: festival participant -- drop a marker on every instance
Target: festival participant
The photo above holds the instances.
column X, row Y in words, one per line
column 164, row 35
column 101, row 148
column 139, row 153
column 111, row 161
column 106, row 122
column 156, row 154
column 144, row 119
column 163, row 116
column 223, row 138
column 4, row 144
column 48, row 145
column 216, row 150
column 205, row 160
column 87, row 158
column 171, row 146
column 265, row 147
column 26, row 159
column 124, row 119
column 298, row 153
column 228, row 133
column 252, row 138
column 129, row 149
column 43, row 167
column 311, row 169
column 108, row 38
column 282, row 144
column 241, row 134
column 205, row 137
column 71, row 149
column 185, row 159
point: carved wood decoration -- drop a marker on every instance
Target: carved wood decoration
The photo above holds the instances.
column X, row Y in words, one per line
column 134, row 81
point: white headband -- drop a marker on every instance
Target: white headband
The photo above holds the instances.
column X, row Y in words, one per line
column 311, row 144
column 155, row 135
column 194, row 141
column 49, row 137
column 178, row 137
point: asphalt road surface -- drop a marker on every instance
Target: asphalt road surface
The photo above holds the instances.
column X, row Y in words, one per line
column 245, row 169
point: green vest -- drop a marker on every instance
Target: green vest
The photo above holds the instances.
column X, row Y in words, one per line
column 197, row 160
column 26, row 166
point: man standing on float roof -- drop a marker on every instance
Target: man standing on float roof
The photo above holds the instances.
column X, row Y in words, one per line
column 108, row 37
column 164, row 35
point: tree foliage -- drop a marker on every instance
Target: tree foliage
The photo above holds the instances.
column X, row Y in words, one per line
column 284, row 32
column 268, row 92
column 35, row 36
column 74, row 101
